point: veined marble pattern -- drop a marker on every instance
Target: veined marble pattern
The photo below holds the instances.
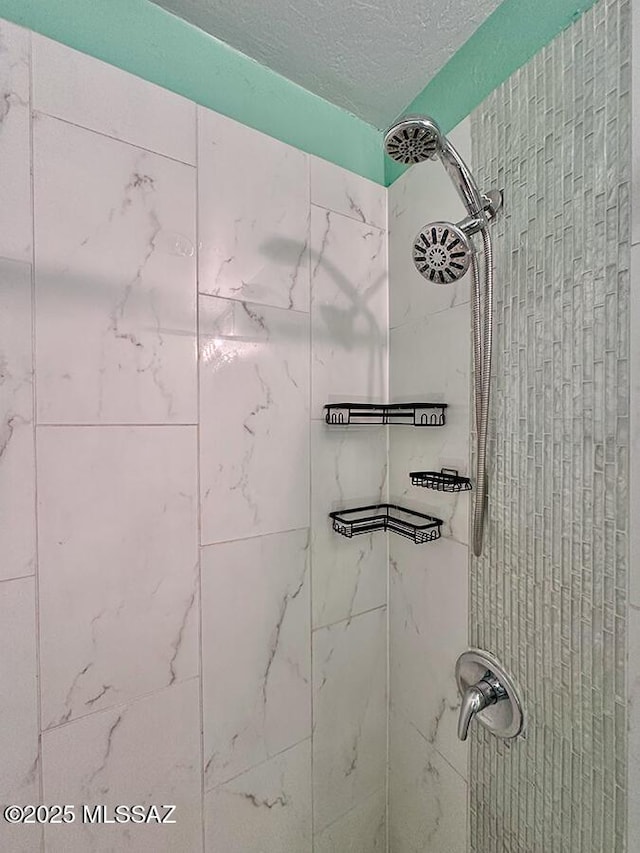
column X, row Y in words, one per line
column 348, row 468
column 17, row 466
column 115, row 316
column 20, row 766
column 349, row 714
column 423, row 194
column 429, row 359
column 15, row 145
column 443, row 375
column 340, row 190
column 348, row 310
column 118, row 564
column 427, row 798
column 428, row 595
column 253, row 201
column 254, row 419
column 93, row 94
column 115, row 280
column 145, row 752
column 255, row 601
column 362, row 830
column 265, row 810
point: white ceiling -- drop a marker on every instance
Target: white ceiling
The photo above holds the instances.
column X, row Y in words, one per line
column 367, row 56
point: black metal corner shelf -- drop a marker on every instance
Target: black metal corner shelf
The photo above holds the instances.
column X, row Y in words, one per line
column 416, row 526
column 409, row 414
column 446, row 480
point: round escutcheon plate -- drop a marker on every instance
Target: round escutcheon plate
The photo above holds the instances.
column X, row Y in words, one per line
column 505, row 719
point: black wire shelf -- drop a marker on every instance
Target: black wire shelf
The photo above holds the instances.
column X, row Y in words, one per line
column 446, row 480
column 409, row 414
column 417, row 526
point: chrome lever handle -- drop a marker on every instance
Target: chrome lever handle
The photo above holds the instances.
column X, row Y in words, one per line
column 471, row 704
column 488, row 693
column 478, row 696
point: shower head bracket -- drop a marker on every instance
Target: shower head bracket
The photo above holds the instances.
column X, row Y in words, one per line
column 492, row 201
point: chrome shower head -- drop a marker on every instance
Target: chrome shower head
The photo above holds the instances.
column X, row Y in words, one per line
column 413, row 139
column 442, row 252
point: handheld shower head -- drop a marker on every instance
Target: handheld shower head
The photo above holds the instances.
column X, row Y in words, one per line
column 442, row 252
column 413, row 139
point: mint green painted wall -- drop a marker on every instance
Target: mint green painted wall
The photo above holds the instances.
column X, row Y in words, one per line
column 509, row 37
column 142, row 38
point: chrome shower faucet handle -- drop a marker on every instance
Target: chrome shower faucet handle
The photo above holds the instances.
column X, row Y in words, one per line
column 488, row 695
column 476, row 698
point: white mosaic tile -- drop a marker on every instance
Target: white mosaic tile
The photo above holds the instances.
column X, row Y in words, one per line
column 549, row 596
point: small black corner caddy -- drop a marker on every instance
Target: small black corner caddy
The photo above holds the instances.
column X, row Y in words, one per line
column 410, row 414
column 416, row 526
column 446, row 480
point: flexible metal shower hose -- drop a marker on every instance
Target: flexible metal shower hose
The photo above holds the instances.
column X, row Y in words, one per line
column 482, row 345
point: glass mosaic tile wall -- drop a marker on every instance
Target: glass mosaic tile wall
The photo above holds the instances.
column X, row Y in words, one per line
column 549, row 596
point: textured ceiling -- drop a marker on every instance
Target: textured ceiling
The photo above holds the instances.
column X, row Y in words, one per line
column 369, row 57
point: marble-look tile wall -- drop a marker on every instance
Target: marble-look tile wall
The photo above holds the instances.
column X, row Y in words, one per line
column 349, row 324
column 178, row 623
column 429, row 359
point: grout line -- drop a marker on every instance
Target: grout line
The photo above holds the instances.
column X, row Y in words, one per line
column 253, row 302
column 447, row 762
column 198, row 488
column 259, row 764
column 356, row 805
column 125, row 703
column 388, row 703
column 34, row 398
column 387, row 780
column 254, row 536
column 39, row 112
column 18, row 578
column 425, row 316
column 405, row 720
column 19, row 261
column 349, row 618
column 363, row 222
column 311, row 518
column 107, row 425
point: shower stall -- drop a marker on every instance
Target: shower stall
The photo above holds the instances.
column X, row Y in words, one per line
column 317, row 496
column 548, row 596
